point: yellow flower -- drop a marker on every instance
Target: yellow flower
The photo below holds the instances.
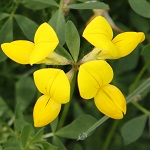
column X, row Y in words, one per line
column 51, row 83
column 99, row 33
column 92, row 75
column 93, row 81
column 110, row 101
column 26, row 52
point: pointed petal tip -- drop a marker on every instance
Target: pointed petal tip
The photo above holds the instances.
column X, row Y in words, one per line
column 45, row 33
column 46, row 41
column 99, row 33
column 32, row 61
column 126, row 42
column 141, row 36
column 2, row 45
column 124, row 109
column 22, row 48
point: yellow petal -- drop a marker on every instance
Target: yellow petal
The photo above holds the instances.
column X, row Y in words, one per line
column 110, row 101
column 45, row 43
column 19, row 51
column 45, row 111
column 92, row 75
column 126, row 42
column 99, row 33
column 53, row 82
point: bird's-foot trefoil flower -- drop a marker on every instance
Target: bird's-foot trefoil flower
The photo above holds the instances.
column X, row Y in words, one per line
column 41, row 51
column 93, row 82
column 50, row 82
column 94, row 73
column 94, row 77
column 99, row 33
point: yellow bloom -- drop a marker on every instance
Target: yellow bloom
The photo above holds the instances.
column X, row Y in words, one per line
column 110, row 101
column 92, row 75
column 50, row 82
column 26, row 52
column 93, row 81
column 99, row 33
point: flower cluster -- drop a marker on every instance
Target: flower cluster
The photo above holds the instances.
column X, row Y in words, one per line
column 94, row 74
column 50, row 82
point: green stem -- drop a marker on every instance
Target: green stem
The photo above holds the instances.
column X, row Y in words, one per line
column 84, row 135
column 145, row 85
column 15, row 7
column 48, row 135
column 98, row 123
column 61, row 3
column 145, row 111
column 140, row 74
column 67, row 106
column 110, row 135
column 142, row 71
column 64, row 115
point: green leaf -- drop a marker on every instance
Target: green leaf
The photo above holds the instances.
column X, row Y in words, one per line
column 34, row 5
column 62, row 51
column 78, row 147
column 25, row 92
column 12, row 148
column 58, row 143
column 48, row 2
column 5, row 111
column 19, row 124
column 6, row 35
column 121, row 66
column 77, row 108
column 19, row 113
column 38, row 136
column 48, row 146
column 54, row 124
column 146, row 55
column 27, row 26
column 89, row 5
column 25, row 134
column 133, row 129
column 146, row 52
column 72, row 40
column 82, row 1
column 3, row 16
column 141, row 7
column 139, row 22
column 58, row 23
column 79, row 125
column 11, row 143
